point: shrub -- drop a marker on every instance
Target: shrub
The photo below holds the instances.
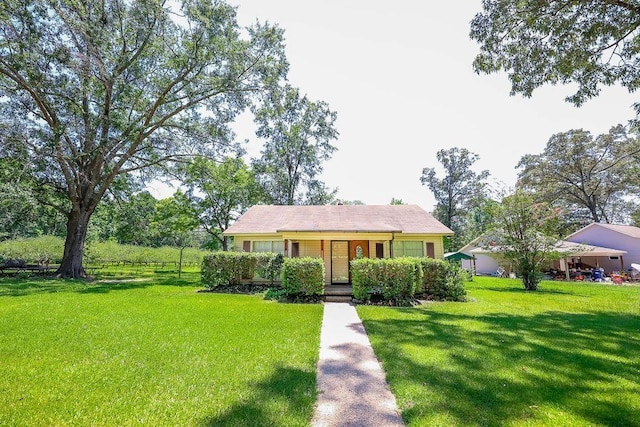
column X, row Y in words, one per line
column 303, row 276
column 221, row 269
column 269, row 265
column 443, row 280
column 227, row 268
column 394, row 280
column 365, row 278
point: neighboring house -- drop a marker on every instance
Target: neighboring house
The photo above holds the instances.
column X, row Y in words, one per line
column 621, row 237
column 339, row 233
column 488, row 261
column 482, row 263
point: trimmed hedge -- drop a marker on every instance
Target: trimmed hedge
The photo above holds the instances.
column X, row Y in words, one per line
column 221, row 269
column 398, row 280
column 303, row 276
column 443, row 280
column 392, row 279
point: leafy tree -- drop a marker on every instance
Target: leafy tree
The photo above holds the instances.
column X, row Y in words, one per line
column 25, row 210
column 395, row 201
column 457, row 192
column 221, row 192
column 175, row 222
column 590, row 176
column 106, row 88
column 126, row 220
column 525, row 234
column 298, row 135
column 591, row 43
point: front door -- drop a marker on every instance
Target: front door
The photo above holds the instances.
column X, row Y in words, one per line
column 339, row 261
column 358, row 249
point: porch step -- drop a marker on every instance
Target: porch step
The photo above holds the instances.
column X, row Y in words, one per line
column 338, row 290
column 337, row 298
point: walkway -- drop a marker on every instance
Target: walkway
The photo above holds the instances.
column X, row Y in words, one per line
column 352, row 390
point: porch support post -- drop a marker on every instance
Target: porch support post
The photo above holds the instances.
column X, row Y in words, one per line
column 566, row 269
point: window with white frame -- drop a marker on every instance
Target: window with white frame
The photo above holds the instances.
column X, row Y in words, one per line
column 414, row 248
column 276, row 246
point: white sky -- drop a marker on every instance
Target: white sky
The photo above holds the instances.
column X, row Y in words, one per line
column 400, row 77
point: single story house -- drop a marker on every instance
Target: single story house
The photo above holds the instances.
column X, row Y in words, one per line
column 621, row 237
column 573, row 256
column 480, row 263
column 339, row 233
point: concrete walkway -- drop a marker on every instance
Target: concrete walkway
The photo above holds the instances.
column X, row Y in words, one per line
column 352, row 390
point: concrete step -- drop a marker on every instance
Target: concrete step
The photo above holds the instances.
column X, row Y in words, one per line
column 338, row 290
column 337, row 298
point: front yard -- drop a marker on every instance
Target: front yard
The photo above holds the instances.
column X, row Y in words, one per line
column 568, row 354
column 152, row 351
column 147, row 349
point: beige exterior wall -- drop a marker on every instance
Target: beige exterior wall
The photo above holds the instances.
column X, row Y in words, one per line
column 310, row 242
column 372, row 248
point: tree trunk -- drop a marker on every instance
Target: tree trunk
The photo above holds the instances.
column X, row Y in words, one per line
column 71, row 266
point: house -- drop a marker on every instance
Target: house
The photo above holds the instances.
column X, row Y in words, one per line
column 339, row 233
column 481, row 263
column 621, row 237
column 574, row 255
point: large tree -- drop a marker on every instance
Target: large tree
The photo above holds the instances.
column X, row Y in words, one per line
column 297, row 134
column 220, row 192
column 458, row 191
column 588, row 42
column 103, row 88
column 588, row 176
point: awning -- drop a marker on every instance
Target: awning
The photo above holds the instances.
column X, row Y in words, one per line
column 456, row 256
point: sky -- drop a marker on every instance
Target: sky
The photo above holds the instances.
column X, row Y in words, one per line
column 400, row 77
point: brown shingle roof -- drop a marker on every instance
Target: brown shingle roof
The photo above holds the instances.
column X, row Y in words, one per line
column 410, row 219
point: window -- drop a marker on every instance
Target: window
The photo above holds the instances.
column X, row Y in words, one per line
column 295, row 249
column 407, row 248
column 379, row 250
column 431, row 250
column 276, row 246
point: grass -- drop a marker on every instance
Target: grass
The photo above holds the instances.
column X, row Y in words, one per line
column 568, row 354
column 147, row 349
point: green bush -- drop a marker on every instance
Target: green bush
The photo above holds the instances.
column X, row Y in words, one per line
column 221, row 269
column 303, row 276
column 392, row 279
column 227, row 268
column 443, row 280
column 269, row 265
column 365, row 278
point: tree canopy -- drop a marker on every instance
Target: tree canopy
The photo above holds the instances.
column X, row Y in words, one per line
column 221, row 192
column 95, row 90
column 589, row 176
column 297, row 134
column 589, row 42
column 458, row 192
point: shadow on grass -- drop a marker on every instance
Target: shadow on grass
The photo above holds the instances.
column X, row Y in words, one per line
column 511, row 368
column 102, row 283
column 285, row 398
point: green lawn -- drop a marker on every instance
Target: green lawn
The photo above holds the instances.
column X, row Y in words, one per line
column 150, row 350
column 566, row 355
